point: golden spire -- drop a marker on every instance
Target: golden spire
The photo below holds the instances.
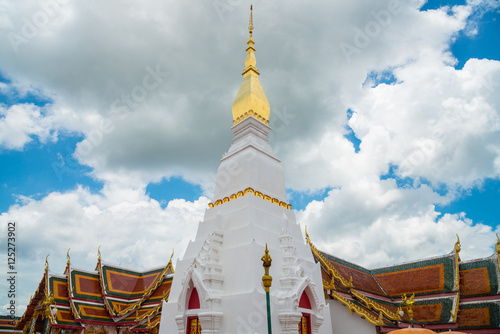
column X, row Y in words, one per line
column 251, row 99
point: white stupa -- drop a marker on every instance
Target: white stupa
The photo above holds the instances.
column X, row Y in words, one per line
column 217, row 287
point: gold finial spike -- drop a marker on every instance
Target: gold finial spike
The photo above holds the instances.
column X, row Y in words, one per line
column 47, row 262
column 67, row 255
column 250, row 25
column 99, row 253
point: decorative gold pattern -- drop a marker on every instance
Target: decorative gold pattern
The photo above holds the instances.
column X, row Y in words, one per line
column 331, row 270
column 375, row 306
column 92, row 330
column 359, row 311
column 304, row 325
column 253, row 192
column 454, row 312
column 408, row 302
column 135, row 306
column 152, row 313
column 457, row 267
column 194, row 326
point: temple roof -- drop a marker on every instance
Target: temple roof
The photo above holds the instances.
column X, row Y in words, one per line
column 7, row 324
column 447, row 292
column 110, row 295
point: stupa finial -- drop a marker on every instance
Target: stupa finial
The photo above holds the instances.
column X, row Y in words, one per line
column 250, row 25
column 251, row 99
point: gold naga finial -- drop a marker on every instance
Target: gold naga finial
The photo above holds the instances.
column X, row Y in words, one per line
column 99, row 253
column 47, row 262
column 457, row 247
column 497, row 249
column 457, row 244
column 308, row 240
column 67, row 255
column 266, row 263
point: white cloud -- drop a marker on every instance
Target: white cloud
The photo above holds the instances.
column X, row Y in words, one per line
column 132, row 229
column 376, row 224
column 20, row 123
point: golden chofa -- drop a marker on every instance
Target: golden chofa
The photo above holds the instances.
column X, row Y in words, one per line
column 251, row 99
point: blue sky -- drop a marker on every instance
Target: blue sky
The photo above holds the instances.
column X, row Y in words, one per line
column 348, row 144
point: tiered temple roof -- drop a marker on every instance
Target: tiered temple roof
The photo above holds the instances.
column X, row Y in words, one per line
column 96, row 301
column 448, row 293
column 7, row 324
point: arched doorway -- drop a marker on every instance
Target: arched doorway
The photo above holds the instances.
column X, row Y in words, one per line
column 193, row 323
column 305, row 308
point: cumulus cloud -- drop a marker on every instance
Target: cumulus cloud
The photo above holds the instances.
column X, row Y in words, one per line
column 19, row 124
column 132, row 229
column 375, row 223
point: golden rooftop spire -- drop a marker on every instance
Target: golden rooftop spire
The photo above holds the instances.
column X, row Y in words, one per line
column 250, row 24
column 251, row 99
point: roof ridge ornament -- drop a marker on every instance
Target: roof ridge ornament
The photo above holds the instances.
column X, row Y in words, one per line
column 67, row 255
column 457, row 265
column 47, row 263
column 497, row 249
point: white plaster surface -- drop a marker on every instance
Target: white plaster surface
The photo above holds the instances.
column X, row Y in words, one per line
column 343, row 322
column 224, row 261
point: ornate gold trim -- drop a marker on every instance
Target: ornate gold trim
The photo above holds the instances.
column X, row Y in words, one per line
column 331, row 270
column 454, row 312
column 92, row 330
column 359, row 311
column 457, row 268
column 253, row 192
column 497, row 249
column 250, row 113
column 375, row 306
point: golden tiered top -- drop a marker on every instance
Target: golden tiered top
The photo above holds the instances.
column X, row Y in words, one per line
column 251, row 99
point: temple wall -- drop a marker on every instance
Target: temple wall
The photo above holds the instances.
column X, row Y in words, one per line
column 344, row 322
